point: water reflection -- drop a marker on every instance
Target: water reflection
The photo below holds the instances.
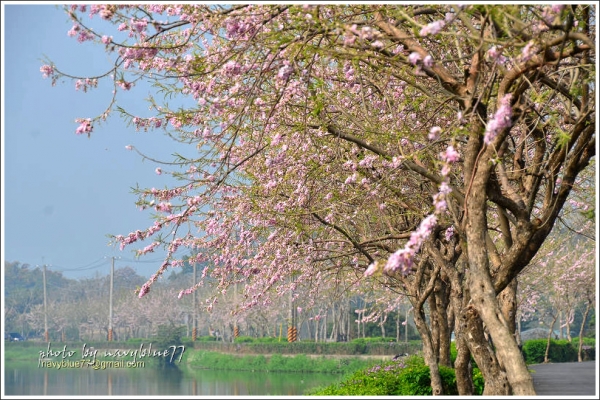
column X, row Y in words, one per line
column 26, row 380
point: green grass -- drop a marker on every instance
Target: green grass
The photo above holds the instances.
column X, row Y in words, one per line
column 275, row 363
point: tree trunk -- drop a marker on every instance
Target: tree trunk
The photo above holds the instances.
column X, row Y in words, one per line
column 560, row 325
column 585, row 314
column 398, row 325
column 452, row 295
column 441, row 296
column 508, row 304
column 550, row 333
column 428, row 353
column 434, row 326
column 482, row 290
column 507, row 351
column 462, row 365
column 335, row 318
column 496, row 381
column 463, row 368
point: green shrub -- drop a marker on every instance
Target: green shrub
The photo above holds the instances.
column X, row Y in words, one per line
column 591, row 342
column 167, row 336
column 244, row 339
column 559, row 351
column 534, row 350
column 562, row 351
column 358, row 346
column 268, row 339
column 408, row 377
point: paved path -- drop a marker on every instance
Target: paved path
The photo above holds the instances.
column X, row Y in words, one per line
column 565, row 379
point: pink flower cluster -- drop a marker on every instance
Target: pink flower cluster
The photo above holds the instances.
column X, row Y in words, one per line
column 528, row 52
column 495, row 54
column 84, row 127
column 83, row 36
column 139, row 25
column 146, row 123
column 432, row 28
column 232, row 68
column 148, row 249
column 285, row 72
column 144, row 290
column 434, row 133
column 500, row 121
column 46, row 71
column 403, row 259
column 414, row 57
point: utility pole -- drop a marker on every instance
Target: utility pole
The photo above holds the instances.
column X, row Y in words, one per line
column 110, row 306
column 293, row 316
column 46, row 337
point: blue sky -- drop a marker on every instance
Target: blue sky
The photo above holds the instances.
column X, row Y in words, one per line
column 62, row 193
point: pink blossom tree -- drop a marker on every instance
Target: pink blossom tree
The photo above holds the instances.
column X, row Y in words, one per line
column 425, row 143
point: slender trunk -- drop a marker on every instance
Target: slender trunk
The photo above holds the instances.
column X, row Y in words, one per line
column 421, row 290
column 434, row 326
column 568, row 321
column 334, row 317
column 428, row 353
column 398, row 325
column 442, row 306
column 550, row 333
column 459, row 296
column 585, row 314
column 560, row 325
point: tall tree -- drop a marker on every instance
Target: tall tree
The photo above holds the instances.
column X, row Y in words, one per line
column 353, row 138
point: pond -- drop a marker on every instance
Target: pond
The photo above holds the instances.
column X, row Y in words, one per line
column 22, row 379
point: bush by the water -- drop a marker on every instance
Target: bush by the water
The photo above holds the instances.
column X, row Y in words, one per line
column 169, row 337
column 403, row 377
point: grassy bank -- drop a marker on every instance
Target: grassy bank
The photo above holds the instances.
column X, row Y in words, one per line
column 200, row 359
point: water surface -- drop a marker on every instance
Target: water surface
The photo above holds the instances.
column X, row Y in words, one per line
column 26, row 380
